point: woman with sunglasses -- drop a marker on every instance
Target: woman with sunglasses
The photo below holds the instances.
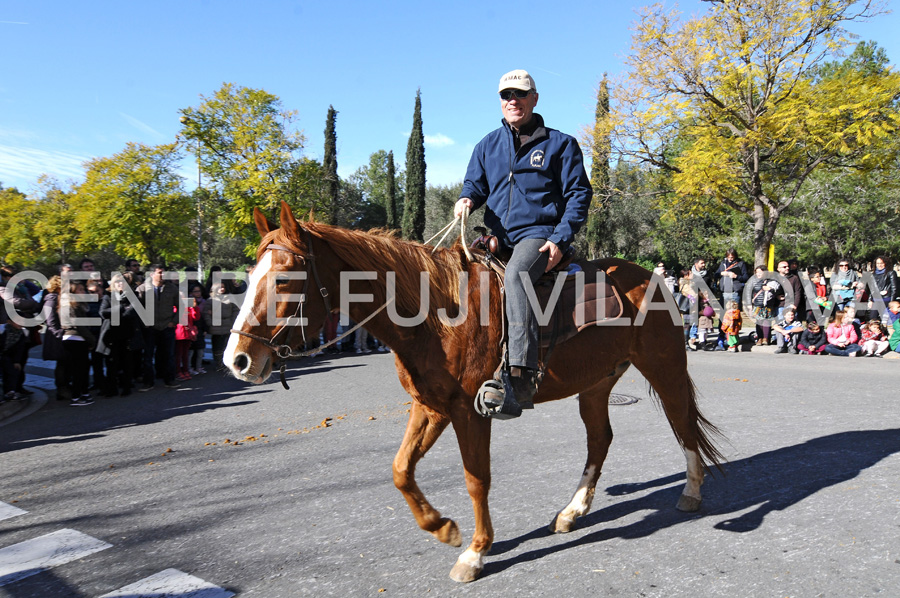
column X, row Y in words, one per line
column 844, row 281
column 537, row 193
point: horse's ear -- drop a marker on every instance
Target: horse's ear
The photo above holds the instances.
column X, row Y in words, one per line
column 312, row 214
column 289, row 224
column 262, row 223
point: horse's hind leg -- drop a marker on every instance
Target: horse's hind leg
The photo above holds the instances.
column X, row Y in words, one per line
column 422, row 431
column 593, row 404
column 676, row 392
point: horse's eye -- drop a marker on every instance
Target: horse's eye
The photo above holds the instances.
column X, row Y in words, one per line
column 280, row 281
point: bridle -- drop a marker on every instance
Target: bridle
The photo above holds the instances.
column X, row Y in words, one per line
column 282, row 349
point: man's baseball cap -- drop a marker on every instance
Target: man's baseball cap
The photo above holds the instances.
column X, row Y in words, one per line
column 517, row 79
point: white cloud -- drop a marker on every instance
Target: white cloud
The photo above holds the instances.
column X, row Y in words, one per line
column 141, row 126
column 20, row 167
column 439, row 140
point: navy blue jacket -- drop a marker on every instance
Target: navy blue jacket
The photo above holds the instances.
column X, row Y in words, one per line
column 540, row 192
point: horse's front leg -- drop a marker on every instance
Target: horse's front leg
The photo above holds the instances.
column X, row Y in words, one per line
column 593, row 405
column 473, row 433
column 422, row 431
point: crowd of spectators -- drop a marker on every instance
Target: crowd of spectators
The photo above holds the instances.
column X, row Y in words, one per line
column 851, row 313
column 135, row 343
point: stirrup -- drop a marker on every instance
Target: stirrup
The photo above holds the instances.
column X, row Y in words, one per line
column 496, row 399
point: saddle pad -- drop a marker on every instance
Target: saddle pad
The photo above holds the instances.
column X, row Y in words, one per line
column 597, row 301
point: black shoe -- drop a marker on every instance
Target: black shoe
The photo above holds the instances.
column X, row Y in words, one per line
column 524, row 385
column 24, row 391
column 780, row 350
column 507, row 397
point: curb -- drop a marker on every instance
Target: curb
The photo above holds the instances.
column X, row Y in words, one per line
column 13, row 411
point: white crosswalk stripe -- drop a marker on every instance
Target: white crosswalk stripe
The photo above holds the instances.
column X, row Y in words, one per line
column 9, row 511
column 170, row 583
column 38, row 554
column 66, row 545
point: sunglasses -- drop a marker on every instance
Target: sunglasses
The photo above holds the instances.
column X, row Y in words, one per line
column 507, row 94
column 845, row 265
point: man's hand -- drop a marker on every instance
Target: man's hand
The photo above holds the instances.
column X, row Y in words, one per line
column 555, row 254
column 464, row 202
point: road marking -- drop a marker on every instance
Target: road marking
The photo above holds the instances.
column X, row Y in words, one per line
column 33, row 556
column 170, row 583
column 9, row 511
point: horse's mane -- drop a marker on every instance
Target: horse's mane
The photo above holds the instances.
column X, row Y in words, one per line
column 381, row 251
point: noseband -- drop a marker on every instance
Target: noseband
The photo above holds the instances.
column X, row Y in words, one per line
column 283, row 350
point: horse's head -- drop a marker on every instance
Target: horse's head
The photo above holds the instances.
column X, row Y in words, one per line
column 283, row 306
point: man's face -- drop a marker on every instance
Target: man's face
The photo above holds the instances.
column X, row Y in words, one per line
column 518, row 111
column 134, row 266
column 87, row 267
column 701, row 265
column 783, row 268
column 157, row 276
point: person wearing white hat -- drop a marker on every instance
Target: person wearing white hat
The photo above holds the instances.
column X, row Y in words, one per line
column 532, row 180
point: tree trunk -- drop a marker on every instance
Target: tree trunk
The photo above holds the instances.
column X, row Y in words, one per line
column 760, row 238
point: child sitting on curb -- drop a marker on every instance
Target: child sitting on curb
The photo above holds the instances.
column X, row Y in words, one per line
column 787, row 332
column 812, row 340
column 874, row 341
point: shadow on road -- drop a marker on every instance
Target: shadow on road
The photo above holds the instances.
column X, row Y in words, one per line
column 767, row 482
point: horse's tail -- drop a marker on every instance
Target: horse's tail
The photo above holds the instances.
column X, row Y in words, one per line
column 705, row 432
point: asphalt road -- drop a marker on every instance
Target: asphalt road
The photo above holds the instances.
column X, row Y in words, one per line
column 247, row 489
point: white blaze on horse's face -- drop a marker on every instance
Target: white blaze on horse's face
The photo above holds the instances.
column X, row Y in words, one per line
column 241, row 362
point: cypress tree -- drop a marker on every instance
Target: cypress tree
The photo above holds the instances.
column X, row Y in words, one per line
column 329, row 164
column 393, row 219
column 413, row 224
column 596, row 225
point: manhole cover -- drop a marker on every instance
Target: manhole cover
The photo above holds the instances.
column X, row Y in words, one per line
column 615, row 399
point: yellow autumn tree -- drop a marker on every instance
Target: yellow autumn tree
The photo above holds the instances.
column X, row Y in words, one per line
column 732, row 107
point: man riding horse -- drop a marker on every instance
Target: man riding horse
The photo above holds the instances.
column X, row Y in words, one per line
column 532, row 179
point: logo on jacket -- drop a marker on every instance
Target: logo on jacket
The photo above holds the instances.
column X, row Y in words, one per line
column 537, row 158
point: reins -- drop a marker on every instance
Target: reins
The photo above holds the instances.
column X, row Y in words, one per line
column 285, row 351
column 463, row 219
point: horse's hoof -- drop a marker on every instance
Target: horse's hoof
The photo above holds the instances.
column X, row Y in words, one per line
column 688, row 504
column 560, row 525
column 448, row 533
column 464, row 572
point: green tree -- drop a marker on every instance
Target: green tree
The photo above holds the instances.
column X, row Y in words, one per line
column 413, row 224
column 54, row 225
column 628, row 216
column 730, row 104
column 134, row 203
column 329, row 164
column 392, row 196
column 844, row 214
column 17, row 238
column 439, row 202
column 597, row 226
column 250, row 154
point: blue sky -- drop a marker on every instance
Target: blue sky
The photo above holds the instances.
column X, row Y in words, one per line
column 81, row 79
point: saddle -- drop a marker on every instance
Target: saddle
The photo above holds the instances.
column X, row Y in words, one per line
column 587, row 298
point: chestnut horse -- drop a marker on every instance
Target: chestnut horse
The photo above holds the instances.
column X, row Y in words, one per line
column 442, row 363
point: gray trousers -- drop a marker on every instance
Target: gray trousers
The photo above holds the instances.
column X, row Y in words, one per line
column 526, row 263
